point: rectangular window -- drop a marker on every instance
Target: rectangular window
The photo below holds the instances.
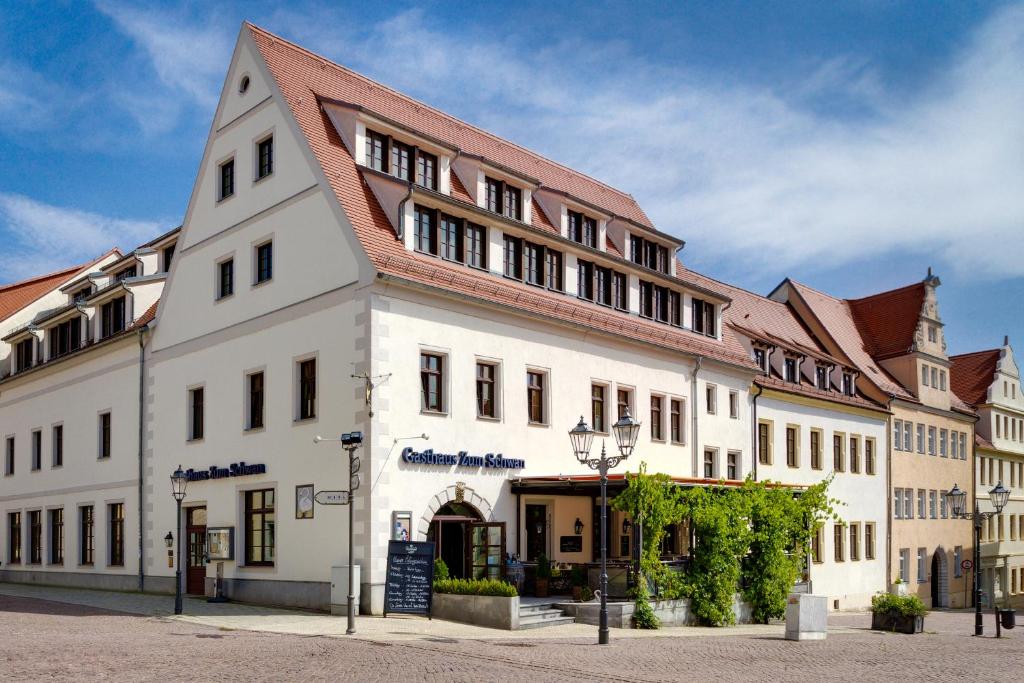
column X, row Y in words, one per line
column 585, row 280
column 931, row 440
column 905, row 565
column 761, row 359
column 598, row 413
column 513, row 257
column 733, row 464
column 57, row 536
column 922, row 558
column 711, row 398
column 432, row 382
column 838, row 458
column 764, row 443
column 932, row 505
column 922, row 511
column 792, row 437
column 225, row 278
column 704, row 318
column 675, row 309
column 821, row 377
column 854, row 542
column 513, row 202
column 86, row 534
column 196, row 427
column 646, row 299
column 790, row 369
column 23, row 355
column 13, row 538
column 112, row 317
column 425, row 223
column 817, row 541
column 37, row 449
column 924, row 375
column 954, row 444
column 476, row 246
column 815, row 449
column 535, row 397
column 376, row 151
column 307, row 389
column 869, row 540
column 676, row 420
column 908, row 503
column 57, row 446
column 259, row 527
column 920, row 438
column 105, row 435
column 401, row 159
column 935, row 378
column 848, row 385
column 734, row 405
column 65, row 337
column 943, row 443
column 838, row 537
column 451, row 238
column 897, row 506
column 486, row 385
column 908, row 436
column 265, row 155
column 493, row 194
column 227, row 179
column 897, row 435
column 869, row 456
column 657, row 428
column 256, row 400
column 264, row 262
column 35, row 536
column 553, row 270
column 604, row 285
column 709, row 463
column 426, row 170
column 943, row 509
column 855, row 454
column 624, row 403
column 620, row 291
column 115, row 511
column 534, row 264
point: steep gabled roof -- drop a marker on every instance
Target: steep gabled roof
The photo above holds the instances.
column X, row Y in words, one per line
column 887, row 321
column 972, row 373
column 305, row 79
column 18, row 295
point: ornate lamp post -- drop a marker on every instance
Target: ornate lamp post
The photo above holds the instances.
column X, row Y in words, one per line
column 179, row 481
column 957, row 501
column 626, row 431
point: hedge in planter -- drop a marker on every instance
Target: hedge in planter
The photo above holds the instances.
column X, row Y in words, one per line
column 899, row 613
column 489, row 587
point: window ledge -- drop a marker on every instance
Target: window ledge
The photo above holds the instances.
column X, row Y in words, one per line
column 259, row 179
column 487, row 418
column 254, row 430
column 101, row 458
column 538, row 424
column 225, row 198
column 198, row 439
column 433, row 413
column 305, row 420
column 261, row 283
column 678, row 443
column 226, row 297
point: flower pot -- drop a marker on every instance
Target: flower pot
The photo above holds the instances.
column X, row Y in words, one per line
column 894, row 621
column 576, row 592
column 541, row 588
column 898, row 589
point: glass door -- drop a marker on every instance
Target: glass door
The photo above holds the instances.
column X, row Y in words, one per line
column 487, row 550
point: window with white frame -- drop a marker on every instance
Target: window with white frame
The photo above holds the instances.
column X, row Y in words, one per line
column 711, row 398
column 922, row 558
column 734, row 405
column 905, row 565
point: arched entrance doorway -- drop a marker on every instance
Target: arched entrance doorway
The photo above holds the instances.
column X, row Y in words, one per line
column 940, row 579
column 471, row 547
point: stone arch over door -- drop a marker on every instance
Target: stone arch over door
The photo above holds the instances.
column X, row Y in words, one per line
column 459, row 493
column 940, row 578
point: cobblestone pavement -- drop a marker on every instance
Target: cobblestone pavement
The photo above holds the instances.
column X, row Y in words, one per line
column 44, row 640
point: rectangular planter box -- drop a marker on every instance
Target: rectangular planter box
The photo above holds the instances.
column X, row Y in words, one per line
column 480, row 610
column 669, row 612
column 891, row 621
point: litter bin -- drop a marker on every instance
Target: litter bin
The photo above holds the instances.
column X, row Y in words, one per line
column 1008, row 617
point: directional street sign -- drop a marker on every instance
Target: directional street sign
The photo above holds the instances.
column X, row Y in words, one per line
column 332, row 497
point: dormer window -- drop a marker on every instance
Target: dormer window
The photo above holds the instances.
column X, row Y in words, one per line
column 401, row 159
column 81, row 295
column 125, row 274
column 790, row 369
column 65, row 337
column 504, row 199
column 704, row 318
column 376, row 151
column 648, row 254
column 761, row 359
column 426, row 170
column 23, row 354
column 168, row 255
column 112, row 317
column 426, row 230
column 848, row 387
column 821, row 377
column 582, row 229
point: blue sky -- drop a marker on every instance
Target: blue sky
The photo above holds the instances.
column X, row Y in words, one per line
column 846, row 145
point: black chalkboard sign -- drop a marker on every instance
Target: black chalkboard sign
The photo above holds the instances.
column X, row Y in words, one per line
column 570, row 544
column 409, row 587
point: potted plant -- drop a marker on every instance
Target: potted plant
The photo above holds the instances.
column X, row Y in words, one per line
column 543, row 576
column 899, row 613
column 579, row 580
column 898, row 587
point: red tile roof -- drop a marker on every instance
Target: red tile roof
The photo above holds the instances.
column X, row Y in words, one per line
column 459, row 190
column 541, row 220
column 972, row 374
column 146, row 318
column 888, row 321
column 304, row 77
column 16, row 296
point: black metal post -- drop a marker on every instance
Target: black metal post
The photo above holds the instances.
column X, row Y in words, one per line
column 177, row 573
column 602, row 629
column 979, row 628
column 351, row 545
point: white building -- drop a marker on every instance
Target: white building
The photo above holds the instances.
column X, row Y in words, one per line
column 990, row 382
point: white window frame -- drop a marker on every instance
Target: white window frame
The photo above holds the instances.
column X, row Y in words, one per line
column 297, row 362
column 499, row 383
column 711, row 398
column 734, row 404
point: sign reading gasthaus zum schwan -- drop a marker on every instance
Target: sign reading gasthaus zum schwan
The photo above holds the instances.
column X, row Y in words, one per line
column 235, row 469
column 462, row 459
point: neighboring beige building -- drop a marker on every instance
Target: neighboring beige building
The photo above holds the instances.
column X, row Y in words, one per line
column 990, row 381
column 895, row 339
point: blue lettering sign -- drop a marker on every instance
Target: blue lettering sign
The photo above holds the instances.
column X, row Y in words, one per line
column 461, row 459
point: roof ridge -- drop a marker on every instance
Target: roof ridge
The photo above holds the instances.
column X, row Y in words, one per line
column 886, row 292
column 446, row 115
column 37, row 278
column 998, row 349
column 817, row 291
column 736, row 287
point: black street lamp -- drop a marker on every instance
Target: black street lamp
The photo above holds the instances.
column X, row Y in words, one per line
column 957, row 501
column 179, row 482
column 626, row 431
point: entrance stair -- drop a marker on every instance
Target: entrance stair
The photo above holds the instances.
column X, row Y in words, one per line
column 541, row 614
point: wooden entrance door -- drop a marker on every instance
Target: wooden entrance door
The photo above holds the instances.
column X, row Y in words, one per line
column 195, row 538
column 486, row 550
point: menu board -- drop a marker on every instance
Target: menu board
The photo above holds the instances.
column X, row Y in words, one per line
column 410, row 578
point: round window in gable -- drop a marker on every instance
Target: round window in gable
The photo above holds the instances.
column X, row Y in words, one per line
column 243, row 85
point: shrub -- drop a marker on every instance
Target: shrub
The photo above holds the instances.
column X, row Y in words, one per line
column 643, row 613
column 543, row 567
column 578, row 575
column 904, row 605
column 586, row 595
column 440, row 570
column 490, row 587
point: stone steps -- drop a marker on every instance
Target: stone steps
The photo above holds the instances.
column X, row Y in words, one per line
column 540, row 615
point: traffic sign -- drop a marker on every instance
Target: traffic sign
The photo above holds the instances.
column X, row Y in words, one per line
column 966, row 564
column 332, row 497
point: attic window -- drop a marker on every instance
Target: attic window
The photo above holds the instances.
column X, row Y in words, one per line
column 243, row 85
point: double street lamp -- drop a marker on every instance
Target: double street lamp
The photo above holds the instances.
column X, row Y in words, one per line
column 179, row 481
column 957, row 501
column 626, row 431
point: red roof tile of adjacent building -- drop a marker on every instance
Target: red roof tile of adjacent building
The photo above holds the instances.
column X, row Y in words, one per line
column 304, row 77
column 16, row 296
column 146, row 318
column 972, row 373
column 888, row 321
column 459, row 190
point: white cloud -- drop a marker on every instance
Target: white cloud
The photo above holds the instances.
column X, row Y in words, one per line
column 755, row 177
column 40, row 238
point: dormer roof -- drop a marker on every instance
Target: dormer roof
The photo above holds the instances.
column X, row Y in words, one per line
column 889, row 320
column 972, row 374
